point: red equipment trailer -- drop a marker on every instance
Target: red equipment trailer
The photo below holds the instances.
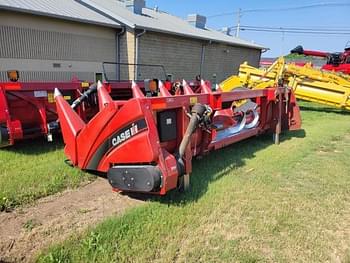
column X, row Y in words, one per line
column 145, row 142
column 338, row 61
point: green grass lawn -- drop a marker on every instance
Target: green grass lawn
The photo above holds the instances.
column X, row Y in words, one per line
column 33, row 169
column 250, row 202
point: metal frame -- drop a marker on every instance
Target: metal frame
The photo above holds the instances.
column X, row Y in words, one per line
column 129, row 64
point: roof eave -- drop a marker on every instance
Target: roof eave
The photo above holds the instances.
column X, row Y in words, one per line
column 198, row 37
column 129, row 24
column 102, row 11
column 62, row 17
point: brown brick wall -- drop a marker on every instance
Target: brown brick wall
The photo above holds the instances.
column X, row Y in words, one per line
column 224, row 60
column 127, row 55
column 182, row 57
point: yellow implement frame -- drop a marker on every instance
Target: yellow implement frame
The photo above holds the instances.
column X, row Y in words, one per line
column 308, row 83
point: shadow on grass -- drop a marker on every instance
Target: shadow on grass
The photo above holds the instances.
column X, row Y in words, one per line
column 209, row 169
column 285, row 136
column 35, row 146
column 217, row 165
column 325, row 110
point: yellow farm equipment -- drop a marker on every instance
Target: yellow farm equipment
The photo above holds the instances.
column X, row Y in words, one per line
column 308, row 83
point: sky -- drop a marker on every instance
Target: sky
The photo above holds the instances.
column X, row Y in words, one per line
column 327, row 16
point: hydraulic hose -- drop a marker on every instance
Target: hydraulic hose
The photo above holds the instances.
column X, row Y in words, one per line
column 197, row 113
column 92, row 89
column 54, row 125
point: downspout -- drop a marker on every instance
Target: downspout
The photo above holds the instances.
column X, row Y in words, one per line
column 137, row 39
column 201, row 69
column 202, row 60
column 118, row 36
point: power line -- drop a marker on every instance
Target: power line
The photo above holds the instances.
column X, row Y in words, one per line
column 296, row 28
column 297, row 7
column 223, row 14
column 295, row 32
column 280, row 9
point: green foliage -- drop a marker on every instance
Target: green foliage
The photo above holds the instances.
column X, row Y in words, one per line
column 31, row 224
column 33, row 169
column 297, row 56
column 57, row 256
column 250, row 202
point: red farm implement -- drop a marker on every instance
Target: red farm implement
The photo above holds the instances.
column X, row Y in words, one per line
column 28, row 109
column 145, row 141
column 338, row 61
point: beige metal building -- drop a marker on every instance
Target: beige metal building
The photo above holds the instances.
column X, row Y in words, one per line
column 54, row 40
column 61, row 40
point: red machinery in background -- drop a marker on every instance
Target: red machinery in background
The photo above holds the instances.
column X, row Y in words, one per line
column 145, row 142
column 338, row 61
column 28, row 109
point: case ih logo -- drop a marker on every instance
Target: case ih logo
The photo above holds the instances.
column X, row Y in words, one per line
column 127, row 132
column 125, row 135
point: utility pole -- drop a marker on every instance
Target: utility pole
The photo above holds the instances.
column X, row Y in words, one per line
column 238, row 28
column 282, row 43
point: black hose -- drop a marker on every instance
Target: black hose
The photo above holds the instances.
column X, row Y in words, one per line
column 197, row 113
column 92, row 89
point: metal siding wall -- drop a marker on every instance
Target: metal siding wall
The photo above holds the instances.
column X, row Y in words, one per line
column 50, row 76
column 35, row 44
column 30, row 44
column 3, row 76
